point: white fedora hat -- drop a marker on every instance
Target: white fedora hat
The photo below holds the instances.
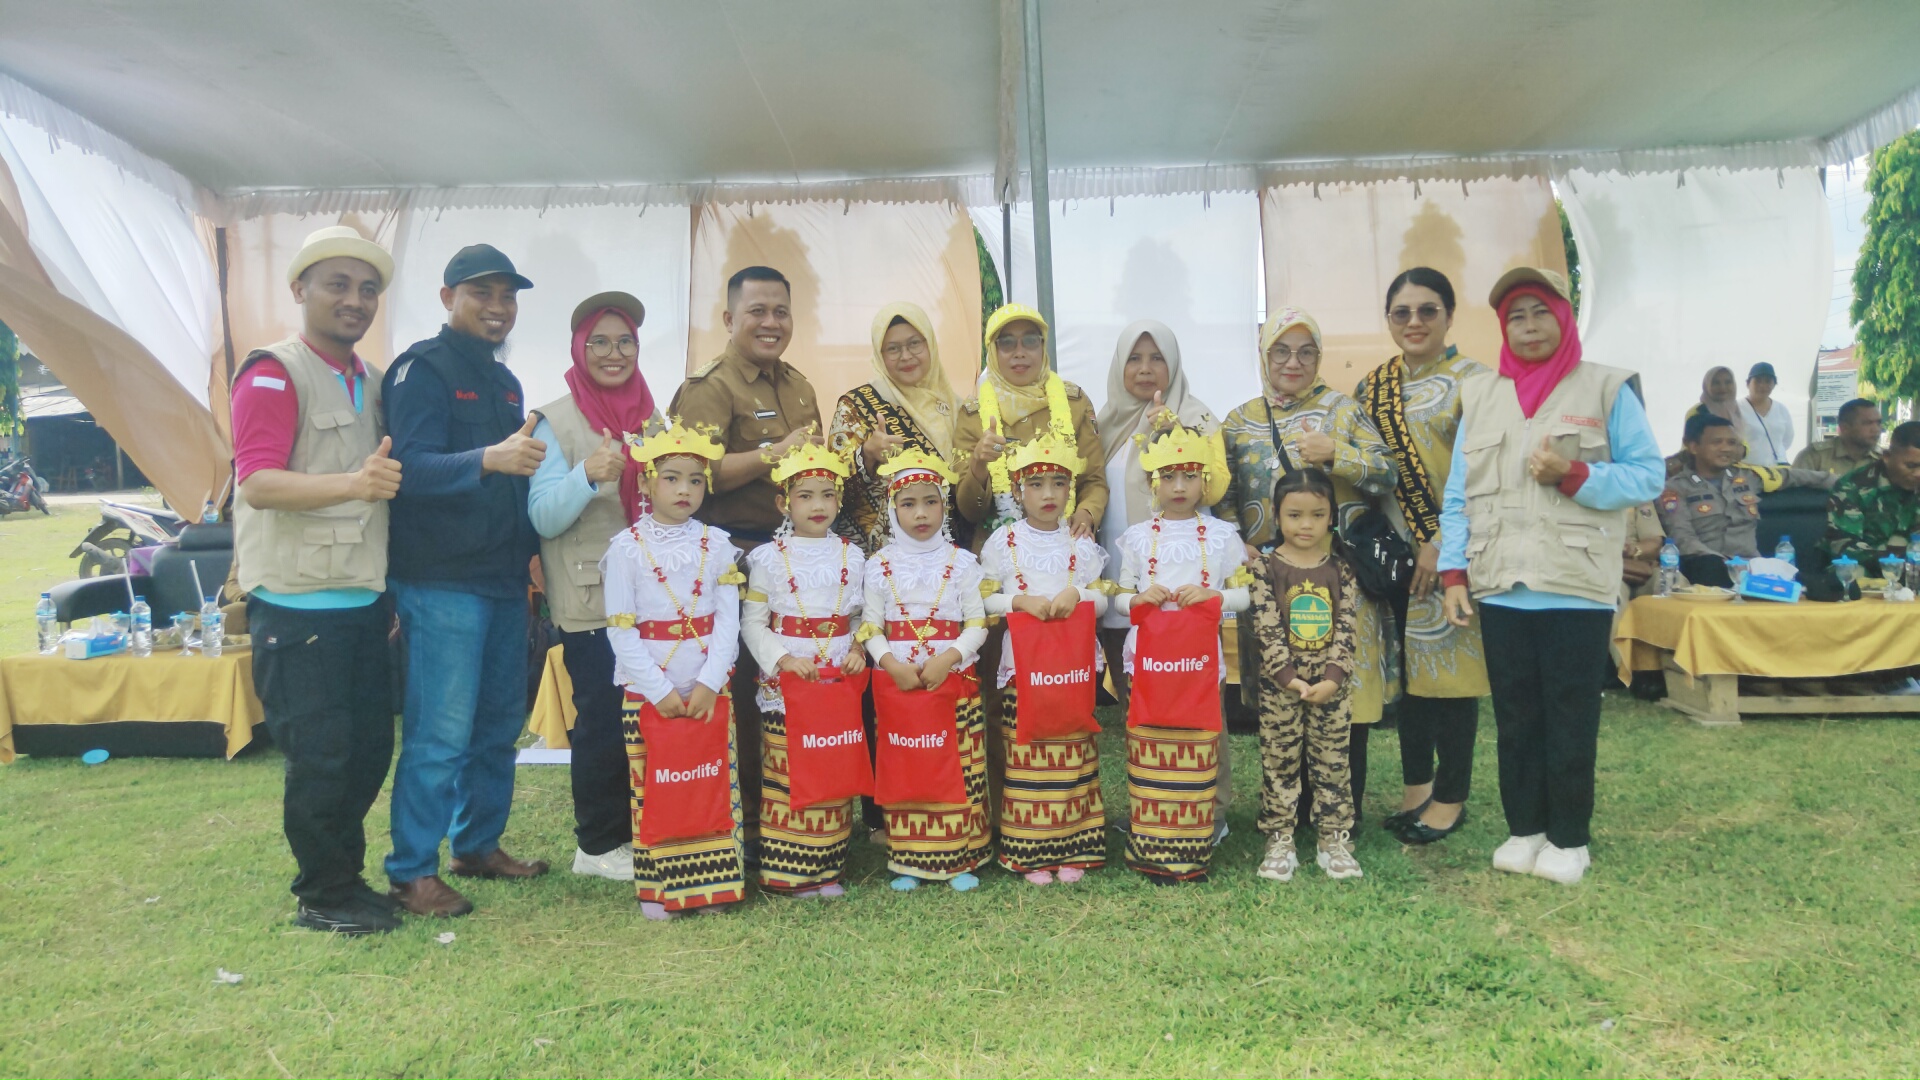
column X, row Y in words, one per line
column 341, row 241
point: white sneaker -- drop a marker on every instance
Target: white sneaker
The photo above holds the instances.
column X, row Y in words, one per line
column 1516, row 856
column 615, row 865
column 1564, row 865
column 1336, row 856
column 1280, row 861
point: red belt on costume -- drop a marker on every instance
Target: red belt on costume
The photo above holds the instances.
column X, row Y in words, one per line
column 675, row 629
column 789, row 626
column 932, row 629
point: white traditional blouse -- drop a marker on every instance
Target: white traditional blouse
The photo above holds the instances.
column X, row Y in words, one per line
column 1038, row 563
column 922, row 583
column 1172, row 557
column 632, row 574
column 799, row 577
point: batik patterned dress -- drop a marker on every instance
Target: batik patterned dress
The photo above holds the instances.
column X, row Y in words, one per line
column 803, row 599
column 1052, row 815
column 659, row 580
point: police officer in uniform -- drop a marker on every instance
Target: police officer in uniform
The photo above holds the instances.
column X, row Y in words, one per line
column 1712, row 511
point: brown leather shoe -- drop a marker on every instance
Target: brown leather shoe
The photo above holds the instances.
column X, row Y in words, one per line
column 431, row 897
column 498, row 864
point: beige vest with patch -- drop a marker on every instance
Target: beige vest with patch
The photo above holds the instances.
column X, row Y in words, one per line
column 336, row 547
column 571, row 561
column 1521, row 532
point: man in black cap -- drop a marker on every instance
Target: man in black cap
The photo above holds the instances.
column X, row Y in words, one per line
column 460, row 542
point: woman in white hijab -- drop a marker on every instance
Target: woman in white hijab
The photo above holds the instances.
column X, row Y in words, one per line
column 1146, row 393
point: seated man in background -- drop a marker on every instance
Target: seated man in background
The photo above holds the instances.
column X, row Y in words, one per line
column 1857, row 443
column 1712, row 511
column 1641, row 564
column 1877, row 507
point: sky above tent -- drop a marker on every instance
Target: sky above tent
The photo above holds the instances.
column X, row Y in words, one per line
column 373, row 93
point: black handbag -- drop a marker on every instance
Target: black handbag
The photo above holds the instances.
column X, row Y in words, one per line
column 1382, row 562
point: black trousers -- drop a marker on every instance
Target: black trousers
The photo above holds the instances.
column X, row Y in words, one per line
column 323, row 677
column 1436, row 744
column 602, row 788
column 1546, row 705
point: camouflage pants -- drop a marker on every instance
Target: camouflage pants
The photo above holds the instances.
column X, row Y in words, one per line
column 1287, row 727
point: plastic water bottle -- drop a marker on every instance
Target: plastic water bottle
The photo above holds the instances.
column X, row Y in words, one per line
column 141, row 643
column 1669, row 568
column 1784, row 550
column 213, row 626
column 210, row 514
column 49, row 622
column 1913, row 560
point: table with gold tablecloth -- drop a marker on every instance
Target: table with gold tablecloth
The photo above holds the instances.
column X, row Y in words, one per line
column 552, row 716
column 1706, row 647
column 57, row 703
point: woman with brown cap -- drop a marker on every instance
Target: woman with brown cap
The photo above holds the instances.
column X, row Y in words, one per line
column 584, row 492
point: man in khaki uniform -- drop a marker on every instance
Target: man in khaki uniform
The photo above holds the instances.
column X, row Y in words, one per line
column 1712, row 511
column 1639, row 570
column 762, row 407
column 1857, row 443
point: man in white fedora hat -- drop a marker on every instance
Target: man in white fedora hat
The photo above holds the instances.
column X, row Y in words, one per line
column 310, row 546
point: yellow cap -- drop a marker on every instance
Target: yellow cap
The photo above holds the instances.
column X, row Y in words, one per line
column 1008, row 313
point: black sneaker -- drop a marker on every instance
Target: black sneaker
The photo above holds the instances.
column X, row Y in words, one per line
column 353, row 920
column 365, row 896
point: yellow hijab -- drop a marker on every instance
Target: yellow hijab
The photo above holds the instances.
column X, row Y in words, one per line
column 1279, row 323
column 931, row 404
column 1016, row 403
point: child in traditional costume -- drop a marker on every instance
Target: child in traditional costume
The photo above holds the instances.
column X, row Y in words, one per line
column 673, row 613
column 1305, row 601
column 1177, row 560
column 927, row 623
column 804, row 592
column 1052, row 818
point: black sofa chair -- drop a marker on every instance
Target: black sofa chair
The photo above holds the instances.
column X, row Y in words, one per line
column 168, row 590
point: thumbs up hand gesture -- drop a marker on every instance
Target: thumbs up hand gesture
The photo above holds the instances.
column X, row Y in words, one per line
column 603, row 466
column 1163, row 418
column 378, row 477
column 1545, row 466
column 519, row 454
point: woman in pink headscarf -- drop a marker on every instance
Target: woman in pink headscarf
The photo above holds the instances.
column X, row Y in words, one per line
column 1551, row 450
column 585, row 492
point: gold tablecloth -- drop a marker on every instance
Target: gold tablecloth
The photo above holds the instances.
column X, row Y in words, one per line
column 164, row 687
column 1769, row 640
column 552, row 715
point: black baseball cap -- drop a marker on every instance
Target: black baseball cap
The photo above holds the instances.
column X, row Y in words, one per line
column 1762, row 370
column 480, row 260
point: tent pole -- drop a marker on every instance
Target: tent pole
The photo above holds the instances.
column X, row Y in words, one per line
column 1006, row 252
column 1037, row 167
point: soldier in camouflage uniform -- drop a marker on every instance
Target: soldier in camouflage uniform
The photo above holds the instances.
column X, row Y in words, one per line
column 1876, row 507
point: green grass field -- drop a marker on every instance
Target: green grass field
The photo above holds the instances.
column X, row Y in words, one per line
column 1751, row 911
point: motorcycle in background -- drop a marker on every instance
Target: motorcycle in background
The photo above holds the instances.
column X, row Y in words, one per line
column 21, row 489
column 123, row 527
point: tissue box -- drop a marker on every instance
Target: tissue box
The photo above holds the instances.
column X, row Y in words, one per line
column 88, row 646
column 1771, row 588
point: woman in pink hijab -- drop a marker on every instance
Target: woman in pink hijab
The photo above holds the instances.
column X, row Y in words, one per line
column 586, row 491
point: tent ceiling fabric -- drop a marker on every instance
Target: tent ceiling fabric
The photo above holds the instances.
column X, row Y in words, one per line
column 357, row 94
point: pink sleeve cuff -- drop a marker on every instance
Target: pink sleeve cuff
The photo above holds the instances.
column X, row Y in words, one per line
column 1450, row 578
column 1577, row 474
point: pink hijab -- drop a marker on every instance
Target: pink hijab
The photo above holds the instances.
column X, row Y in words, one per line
column 1533, row 380
column 622, row 409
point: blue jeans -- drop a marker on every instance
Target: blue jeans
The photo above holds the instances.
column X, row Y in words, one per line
column 465, row 706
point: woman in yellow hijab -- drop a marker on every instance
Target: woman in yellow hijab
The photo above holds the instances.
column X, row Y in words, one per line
column 1020, row 398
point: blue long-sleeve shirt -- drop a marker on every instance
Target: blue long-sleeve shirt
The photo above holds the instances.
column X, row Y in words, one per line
column 1634, row 476
column 417, row 420
column 560, row 490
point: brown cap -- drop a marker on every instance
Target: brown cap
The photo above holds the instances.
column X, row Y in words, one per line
column 623, row 301
column 1521, row 275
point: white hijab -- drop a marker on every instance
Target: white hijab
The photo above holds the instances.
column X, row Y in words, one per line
column 1124, row 416
column 904, row 540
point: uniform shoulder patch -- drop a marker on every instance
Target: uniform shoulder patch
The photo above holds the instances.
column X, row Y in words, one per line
column 1669, row 500
column 1074, row 392
column 971, row 406
column 703, row 370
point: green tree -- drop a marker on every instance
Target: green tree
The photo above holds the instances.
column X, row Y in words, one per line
column 11, row 422
column 1886, row 279
column 1573, row 255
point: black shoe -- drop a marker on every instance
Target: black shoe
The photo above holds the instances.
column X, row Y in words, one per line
column 365, row 896
column 1400, row 819
column 353, row 920
column 1418, row 832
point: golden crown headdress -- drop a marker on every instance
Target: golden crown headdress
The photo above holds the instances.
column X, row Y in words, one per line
column 915, row 460
column 1179, row 446
column 806, row 458
column 1048, row 449
column 677, row 440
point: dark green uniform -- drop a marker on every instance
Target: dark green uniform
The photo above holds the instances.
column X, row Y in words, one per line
column 1870, row 516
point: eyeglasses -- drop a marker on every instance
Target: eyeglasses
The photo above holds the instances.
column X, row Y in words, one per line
column 1401, row 316
column 1029, row 342
column 1280, row 354
column 916, row 346
column 601, row 348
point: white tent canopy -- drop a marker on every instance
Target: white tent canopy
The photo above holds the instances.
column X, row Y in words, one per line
column 654, row 100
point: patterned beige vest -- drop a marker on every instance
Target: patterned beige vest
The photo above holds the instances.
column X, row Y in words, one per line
column 571, row 561
column 336, row 547
column 1526, row 533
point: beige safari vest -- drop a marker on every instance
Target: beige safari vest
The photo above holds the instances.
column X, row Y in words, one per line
column 571, row 561
column 1521, row 532
column 336, row 547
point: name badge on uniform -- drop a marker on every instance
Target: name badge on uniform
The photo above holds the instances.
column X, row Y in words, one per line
column 765, row 414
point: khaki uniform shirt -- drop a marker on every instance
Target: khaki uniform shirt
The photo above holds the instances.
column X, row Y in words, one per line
column 1832, row 456
column 1089, row 488
column 753, row 408
column 1643, row 532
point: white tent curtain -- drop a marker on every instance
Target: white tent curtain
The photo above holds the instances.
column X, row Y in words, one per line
column 1726, row 268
